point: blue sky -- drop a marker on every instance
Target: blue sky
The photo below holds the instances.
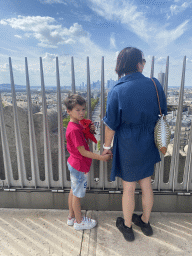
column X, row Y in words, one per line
column 94, row 28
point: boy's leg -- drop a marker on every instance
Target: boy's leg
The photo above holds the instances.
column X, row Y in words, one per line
column 76, row 205
column 78, row 187
column 70, row 204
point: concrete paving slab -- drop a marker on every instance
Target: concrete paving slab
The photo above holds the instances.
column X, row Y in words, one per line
column 172, row 236
column 37, row 233
column 25, row 232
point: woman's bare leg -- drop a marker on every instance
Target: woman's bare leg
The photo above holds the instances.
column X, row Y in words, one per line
column 128, row 201
column 147, row 198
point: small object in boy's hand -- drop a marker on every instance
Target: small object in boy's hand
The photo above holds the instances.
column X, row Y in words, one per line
column 92, row 128
column 88, row 133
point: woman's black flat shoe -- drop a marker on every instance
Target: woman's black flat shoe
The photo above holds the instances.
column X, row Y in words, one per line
column 145, row 227
column 127, row 232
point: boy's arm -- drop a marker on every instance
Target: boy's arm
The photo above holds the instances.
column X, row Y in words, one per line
column 92, row 155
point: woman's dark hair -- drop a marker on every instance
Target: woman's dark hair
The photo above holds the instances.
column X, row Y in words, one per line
column 74, row 99
column 127, row 61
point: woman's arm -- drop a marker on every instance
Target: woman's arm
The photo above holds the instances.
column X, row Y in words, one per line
column 109, row 134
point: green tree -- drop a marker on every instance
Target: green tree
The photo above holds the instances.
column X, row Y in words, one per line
column 99, row 145
column 66, row 121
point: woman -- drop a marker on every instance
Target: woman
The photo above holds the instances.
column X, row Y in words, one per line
column 131, row 115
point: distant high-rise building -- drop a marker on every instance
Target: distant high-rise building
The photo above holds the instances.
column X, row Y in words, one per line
column 111, row 83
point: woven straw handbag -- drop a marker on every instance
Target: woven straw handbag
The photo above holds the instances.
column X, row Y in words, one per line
column 162, row 131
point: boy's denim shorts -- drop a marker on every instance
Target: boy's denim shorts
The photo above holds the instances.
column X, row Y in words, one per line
column 78, row 181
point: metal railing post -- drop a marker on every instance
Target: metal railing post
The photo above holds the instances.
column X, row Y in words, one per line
column 19, row 146
column 152, row 67
column 176, row 147
column 61, row 146
column 89, row 116
column 47, row 147
column 102, row 164
column 5, row 147
column 32, row 138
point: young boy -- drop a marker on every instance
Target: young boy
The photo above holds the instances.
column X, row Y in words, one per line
column 79, row 162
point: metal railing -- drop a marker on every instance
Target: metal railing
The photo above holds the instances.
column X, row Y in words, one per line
column 62, row 183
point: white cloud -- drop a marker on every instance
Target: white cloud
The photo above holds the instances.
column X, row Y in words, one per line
column 175, row 9
column 136, row 21
column 160, row 60
column 2, row 22
column 18, row 36
column 49, row 56
column 6, row 49
column 112, row 41
column 189, row 61
column 126, row 12
column 165, row 37
column 46, row 30
column 63, row 63
column 53, row 2
column 51, row 34
column 4, row 67
column 87, row 18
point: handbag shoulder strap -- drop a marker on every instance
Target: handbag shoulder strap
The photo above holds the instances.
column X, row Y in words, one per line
column 157, row 96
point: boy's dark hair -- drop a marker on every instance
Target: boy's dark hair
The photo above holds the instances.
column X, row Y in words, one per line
column 74, row 99
column 127, row 61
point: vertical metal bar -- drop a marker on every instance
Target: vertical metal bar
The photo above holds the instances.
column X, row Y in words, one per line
column 102, row 105
column 19, row 147
column 89, row 116
column 32, row 138
column 161, row 185
column 189, row 178
column 161, row 165
column 47, row 148
column 5, row 147
column 61, row 146
column 175, row 157
column 166, row 77
column 89, row 112
column 152, row 67
column 102, row 164
column 151, row 75
column 161, row 78
column 188, row 164
column 72, row 76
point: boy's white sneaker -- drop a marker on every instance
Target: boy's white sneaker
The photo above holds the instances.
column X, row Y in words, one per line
column 70, row 221
column 86, row 223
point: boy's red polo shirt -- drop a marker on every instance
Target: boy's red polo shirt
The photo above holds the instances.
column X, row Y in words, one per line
column 75, row 138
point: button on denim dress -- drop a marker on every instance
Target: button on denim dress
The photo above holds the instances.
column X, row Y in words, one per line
column 132, row 112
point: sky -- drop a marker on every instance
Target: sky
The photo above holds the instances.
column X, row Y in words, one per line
column 93, row 28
